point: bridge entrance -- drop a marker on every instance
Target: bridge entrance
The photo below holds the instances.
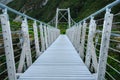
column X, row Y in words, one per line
column 62, row 20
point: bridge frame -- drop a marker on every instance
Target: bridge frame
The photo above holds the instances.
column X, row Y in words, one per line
column 48, row 36
column 48, row 33
column 62, row 16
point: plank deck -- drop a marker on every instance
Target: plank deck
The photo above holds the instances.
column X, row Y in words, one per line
column 59, row 62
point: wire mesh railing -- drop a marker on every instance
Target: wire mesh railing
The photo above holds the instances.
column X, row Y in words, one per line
column 99, row 45
column 21, row 42
column 3, row 67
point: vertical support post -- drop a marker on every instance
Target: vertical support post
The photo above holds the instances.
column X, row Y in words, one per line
column 79, row 36
column 91, row 52
column 36, row 39
column 48, row 31
column 75, row 36
column 42, row 38
column 26, row 51
column 51, row 39
column 72, row 34
column 69, row 18
column 53, row 35
column 27, row 40
column 8, row 46
column 45, row 33
column 56, row 23
column 104, row 44
column 81, row 49
column 23, row 54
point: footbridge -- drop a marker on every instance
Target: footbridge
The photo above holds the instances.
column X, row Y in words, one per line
column 33, row 50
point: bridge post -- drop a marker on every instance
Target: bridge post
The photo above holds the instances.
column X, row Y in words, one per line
column 63, row 16
column 104, row 44
column 69, row 18
column 76, row 42
column 58, row 33
column 56, row 19
column 46, row 36
column 36, row 39
column 49, row 36
column 77, row 31
column 73, row 35
column 50, row 32
column 26, row 37
column 81, row 49
column 42, row 37
column 70, row 33
column 79, row 36
column 90, row 46
column 8, row 45
column 53, row 35
column 26, row 51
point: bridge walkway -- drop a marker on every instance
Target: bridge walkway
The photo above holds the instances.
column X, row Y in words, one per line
column 59, row 62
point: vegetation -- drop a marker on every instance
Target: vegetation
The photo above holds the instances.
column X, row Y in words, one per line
column 79, row 8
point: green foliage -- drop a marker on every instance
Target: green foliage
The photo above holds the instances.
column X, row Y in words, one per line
column 79, row 8
column 91, row 6
column 15, row 26
column 63, row 27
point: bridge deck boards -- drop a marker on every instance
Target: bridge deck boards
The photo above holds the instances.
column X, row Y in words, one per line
column 59, row 62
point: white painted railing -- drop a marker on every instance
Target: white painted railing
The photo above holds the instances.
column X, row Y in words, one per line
column 22, row 46
column 97, row 39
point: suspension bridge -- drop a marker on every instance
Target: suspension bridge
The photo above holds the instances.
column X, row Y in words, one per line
column 34, row 50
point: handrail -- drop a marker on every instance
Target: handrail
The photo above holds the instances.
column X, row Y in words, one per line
column 50, row 34
column 106, row 35
column 18, row 13
column 101, row 10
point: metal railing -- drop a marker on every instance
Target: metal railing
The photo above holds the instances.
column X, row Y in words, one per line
column 97, row 41
column 27, row 38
